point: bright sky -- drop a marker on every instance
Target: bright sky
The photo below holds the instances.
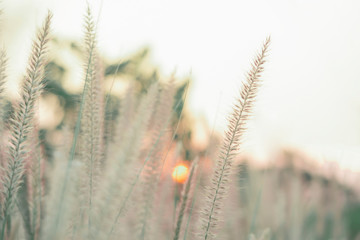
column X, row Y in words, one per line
column 310, row 98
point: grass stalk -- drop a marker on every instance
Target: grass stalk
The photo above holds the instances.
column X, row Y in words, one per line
column 184, row 199
column 90, row 51
column 236, row 127
column 137, row 177
column 22, row 122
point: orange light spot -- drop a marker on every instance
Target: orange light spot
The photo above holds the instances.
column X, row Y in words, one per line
column 180, row 173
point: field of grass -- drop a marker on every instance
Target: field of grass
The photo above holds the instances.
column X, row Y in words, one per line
column 123, row 167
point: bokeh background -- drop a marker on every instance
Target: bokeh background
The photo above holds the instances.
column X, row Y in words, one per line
column 305, row 131
column 310, row 97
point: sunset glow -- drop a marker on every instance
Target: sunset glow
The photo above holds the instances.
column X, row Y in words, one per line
column 180, row 173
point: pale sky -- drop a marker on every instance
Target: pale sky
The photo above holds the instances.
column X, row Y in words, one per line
column 310, row 98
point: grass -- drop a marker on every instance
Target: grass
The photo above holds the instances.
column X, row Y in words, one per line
column 111, row 177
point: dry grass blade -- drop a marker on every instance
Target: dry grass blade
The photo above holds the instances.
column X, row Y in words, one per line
column 242, row 109
column 21, row 123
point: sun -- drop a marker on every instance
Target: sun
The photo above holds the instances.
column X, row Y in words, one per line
column 180, row 173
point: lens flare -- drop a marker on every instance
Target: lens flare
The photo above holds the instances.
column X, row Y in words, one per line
column 180, row 173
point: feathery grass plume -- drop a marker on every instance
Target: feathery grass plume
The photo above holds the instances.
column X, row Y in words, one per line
column 185, row 194
column 149, row 155
column 29, row 193
column 116, row 126
column 89, row 39
column 152, row 167
column 92, row 122
column 200, row 174
column 100, row 97
column 90, row 44
column 23, row 203
column 91, row 147
column 3, row 64
column 21, row 123
column 237, row 123
column 37, row 188
column 119, row 125
column 113, row 186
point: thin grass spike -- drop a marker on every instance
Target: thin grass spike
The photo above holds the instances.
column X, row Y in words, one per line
column 22, row 122
column 237, row 123
column 90, row 51
column 3, row 65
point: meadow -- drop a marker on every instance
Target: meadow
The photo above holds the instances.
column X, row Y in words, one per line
column 124, row 167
